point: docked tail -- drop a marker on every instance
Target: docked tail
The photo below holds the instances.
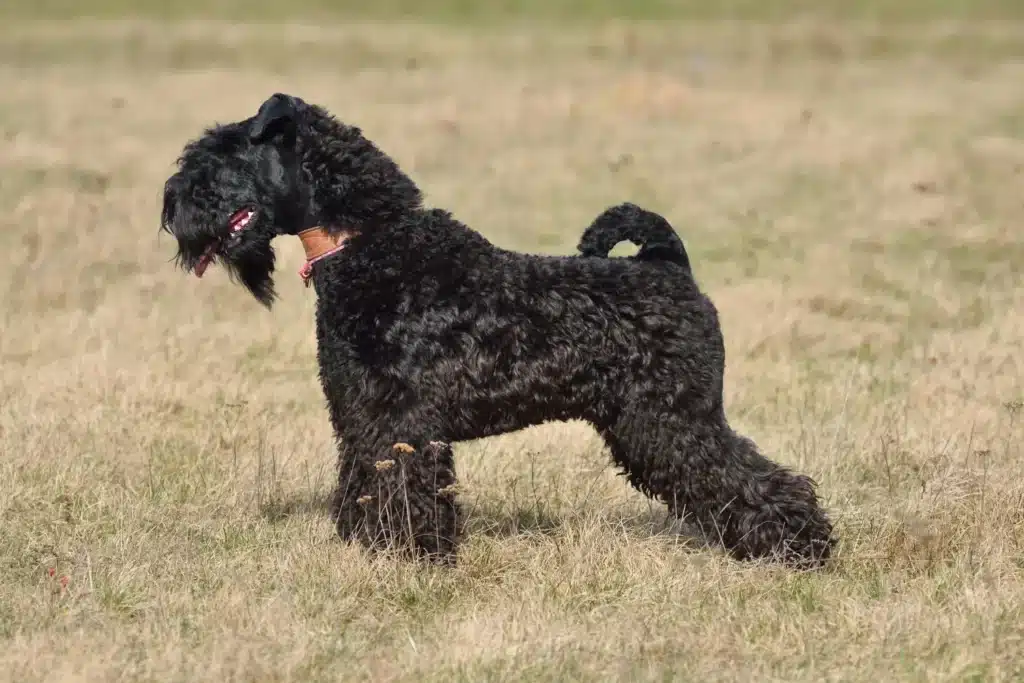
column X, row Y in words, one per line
column 646, row 229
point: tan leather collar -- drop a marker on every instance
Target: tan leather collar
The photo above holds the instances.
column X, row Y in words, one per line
column 317, row 242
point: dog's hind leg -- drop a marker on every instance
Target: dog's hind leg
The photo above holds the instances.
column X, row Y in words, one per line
column 721, row 484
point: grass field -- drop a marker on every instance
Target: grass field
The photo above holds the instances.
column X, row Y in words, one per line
column 849, row 189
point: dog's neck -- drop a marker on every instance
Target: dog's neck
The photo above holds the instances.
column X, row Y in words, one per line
column 318, row 244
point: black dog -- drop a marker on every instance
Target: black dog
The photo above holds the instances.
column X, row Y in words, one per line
column 429, row 334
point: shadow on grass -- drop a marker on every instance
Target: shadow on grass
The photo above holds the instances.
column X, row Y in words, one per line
column 502, row 522
column 278, row 510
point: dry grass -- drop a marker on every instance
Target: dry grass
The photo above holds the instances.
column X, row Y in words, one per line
column 850, row 196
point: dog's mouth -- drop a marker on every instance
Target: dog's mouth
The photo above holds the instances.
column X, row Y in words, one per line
column 239, row 221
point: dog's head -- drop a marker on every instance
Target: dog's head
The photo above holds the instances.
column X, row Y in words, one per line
column 288, row 168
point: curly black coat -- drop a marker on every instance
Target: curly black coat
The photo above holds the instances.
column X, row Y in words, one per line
column 428, row 334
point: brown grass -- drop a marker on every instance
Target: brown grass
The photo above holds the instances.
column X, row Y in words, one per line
column 850, row 196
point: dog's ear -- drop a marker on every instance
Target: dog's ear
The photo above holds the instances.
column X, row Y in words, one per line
column 279, row 114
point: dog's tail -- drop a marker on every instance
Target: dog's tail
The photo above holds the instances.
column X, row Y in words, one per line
column 646, row 229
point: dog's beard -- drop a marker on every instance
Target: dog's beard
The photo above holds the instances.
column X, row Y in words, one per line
column 252, row 264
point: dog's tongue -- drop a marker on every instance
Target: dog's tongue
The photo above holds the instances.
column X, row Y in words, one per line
column 205, row 260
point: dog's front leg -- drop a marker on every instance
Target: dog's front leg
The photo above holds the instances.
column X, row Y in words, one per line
column 347, row 508
column 403, row 498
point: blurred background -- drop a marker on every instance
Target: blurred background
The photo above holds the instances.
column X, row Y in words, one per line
column 846, row 175
column 505, row 10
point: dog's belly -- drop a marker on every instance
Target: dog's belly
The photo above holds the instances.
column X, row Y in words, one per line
column 485, row 423
column 525, row 393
